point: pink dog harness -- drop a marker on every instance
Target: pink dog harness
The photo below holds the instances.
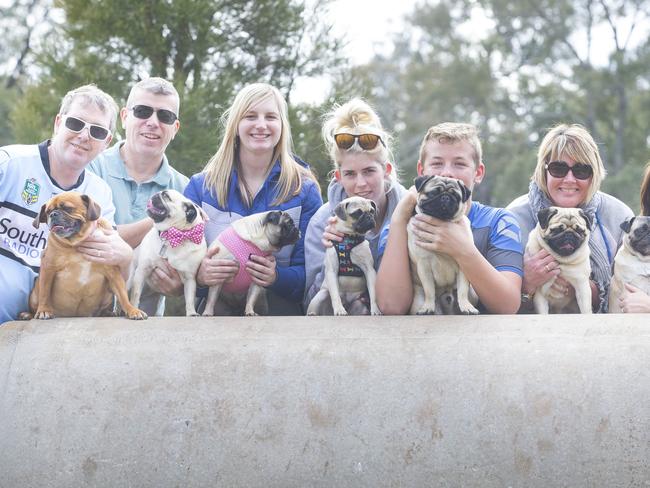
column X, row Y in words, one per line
column 241, row 251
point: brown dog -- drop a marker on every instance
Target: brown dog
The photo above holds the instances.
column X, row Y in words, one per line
column 69, row 285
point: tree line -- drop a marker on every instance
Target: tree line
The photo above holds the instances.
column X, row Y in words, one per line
column 512, row 68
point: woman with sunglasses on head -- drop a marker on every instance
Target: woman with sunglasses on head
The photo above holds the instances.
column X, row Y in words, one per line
column 358, row 148
column 254, row 171
column 568, row 174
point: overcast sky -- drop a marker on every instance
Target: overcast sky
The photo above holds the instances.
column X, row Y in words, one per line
column 367, row 25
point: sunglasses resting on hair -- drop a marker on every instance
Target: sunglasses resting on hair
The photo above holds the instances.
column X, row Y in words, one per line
column 145, row 111
column 75, row 124
column 559, row 169
column 366, row 141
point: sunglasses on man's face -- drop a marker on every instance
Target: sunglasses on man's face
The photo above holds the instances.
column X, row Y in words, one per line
column 366, row 141
column 145, row 111
column 77, row 125
column 559, row 169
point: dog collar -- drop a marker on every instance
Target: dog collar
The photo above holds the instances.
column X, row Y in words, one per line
column 343, row 250
column 241, row 251
column 176, row 237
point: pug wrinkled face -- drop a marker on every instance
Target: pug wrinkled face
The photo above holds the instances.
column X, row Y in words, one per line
column 564, row 229
column 638, row 234
column 441, row 197
column 67, row 213
column 172, row 208
column 360, row 212
column 280, row 228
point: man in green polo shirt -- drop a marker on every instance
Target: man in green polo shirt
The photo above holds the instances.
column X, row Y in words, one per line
column 137, row 167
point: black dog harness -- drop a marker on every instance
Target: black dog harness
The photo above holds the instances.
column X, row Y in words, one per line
column 343, row 250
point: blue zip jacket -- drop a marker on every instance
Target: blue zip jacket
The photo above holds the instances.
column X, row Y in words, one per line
column 290, row 259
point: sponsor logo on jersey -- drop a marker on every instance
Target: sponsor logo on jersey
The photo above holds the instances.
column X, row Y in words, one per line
column 30, row 191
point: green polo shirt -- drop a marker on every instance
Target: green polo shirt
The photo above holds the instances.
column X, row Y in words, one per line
column 129, row 196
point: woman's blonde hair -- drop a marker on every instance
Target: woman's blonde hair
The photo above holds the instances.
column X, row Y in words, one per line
column 645, row 192
column 575, row 142
column 218, row 170
column 356, row 117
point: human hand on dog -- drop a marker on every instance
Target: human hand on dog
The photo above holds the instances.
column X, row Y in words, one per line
column 538, row 269
column 106, row 247
column 448, row 237
column 262, row 269
column 166, row 280
column 406, row 206
column 634, row 300
column 330, row 233
column 216, row 271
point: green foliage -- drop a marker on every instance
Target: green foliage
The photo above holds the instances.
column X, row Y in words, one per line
column 209, row 49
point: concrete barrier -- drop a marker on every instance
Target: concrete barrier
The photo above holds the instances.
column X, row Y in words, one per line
column 342, row 402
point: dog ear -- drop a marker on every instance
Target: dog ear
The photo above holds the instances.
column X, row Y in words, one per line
column 202, row 212
column 93, row 210
column 626, row 225
column 544, row 215
column 41, row 217
column 589, row 219
column 465, row 191
column 420, row 181
column 273, row 217
column 340, row 212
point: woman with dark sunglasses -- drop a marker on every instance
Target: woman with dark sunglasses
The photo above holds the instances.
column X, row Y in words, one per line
column 358, row 149
column 569, row 173
column 253, row 171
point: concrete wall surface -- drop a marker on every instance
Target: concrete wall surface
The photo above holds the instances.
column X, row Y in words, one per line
column 489, row 401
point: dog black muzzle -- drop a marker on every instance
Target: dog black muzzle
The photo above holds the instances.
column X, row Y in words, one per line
column 156, row 209
column 565, row 243
column 364, row 224
column 443, row 206
column 62, row 224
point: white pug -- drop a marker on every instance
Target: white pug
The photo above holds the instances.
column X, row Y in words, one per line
column 632, row 262
column 178, row 236
column 259, row 234
column 564, row 233
column 349, row 265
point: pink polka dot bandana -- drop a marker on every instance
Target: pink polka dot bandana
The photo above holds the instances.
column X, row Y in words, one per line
column 176, row 237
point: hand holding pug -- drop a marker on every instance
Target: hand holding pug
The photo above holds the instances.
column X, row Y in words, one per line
column 634, row 300
column 216, row 271
column 453, row 238
column 330, row 233
column 262, row 270
column 538, row 269
column 166, row 280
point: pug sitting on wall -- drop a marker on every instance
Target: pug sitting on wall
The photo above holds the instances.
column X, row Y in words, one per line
column 349, row 265
column 564, row 233
column 259, row 234
column 632, row 262
column 178, row 236
column 436, row 275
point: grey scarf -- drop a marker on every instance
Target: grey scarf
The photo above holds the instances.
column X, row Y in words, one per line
column 600, row 264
